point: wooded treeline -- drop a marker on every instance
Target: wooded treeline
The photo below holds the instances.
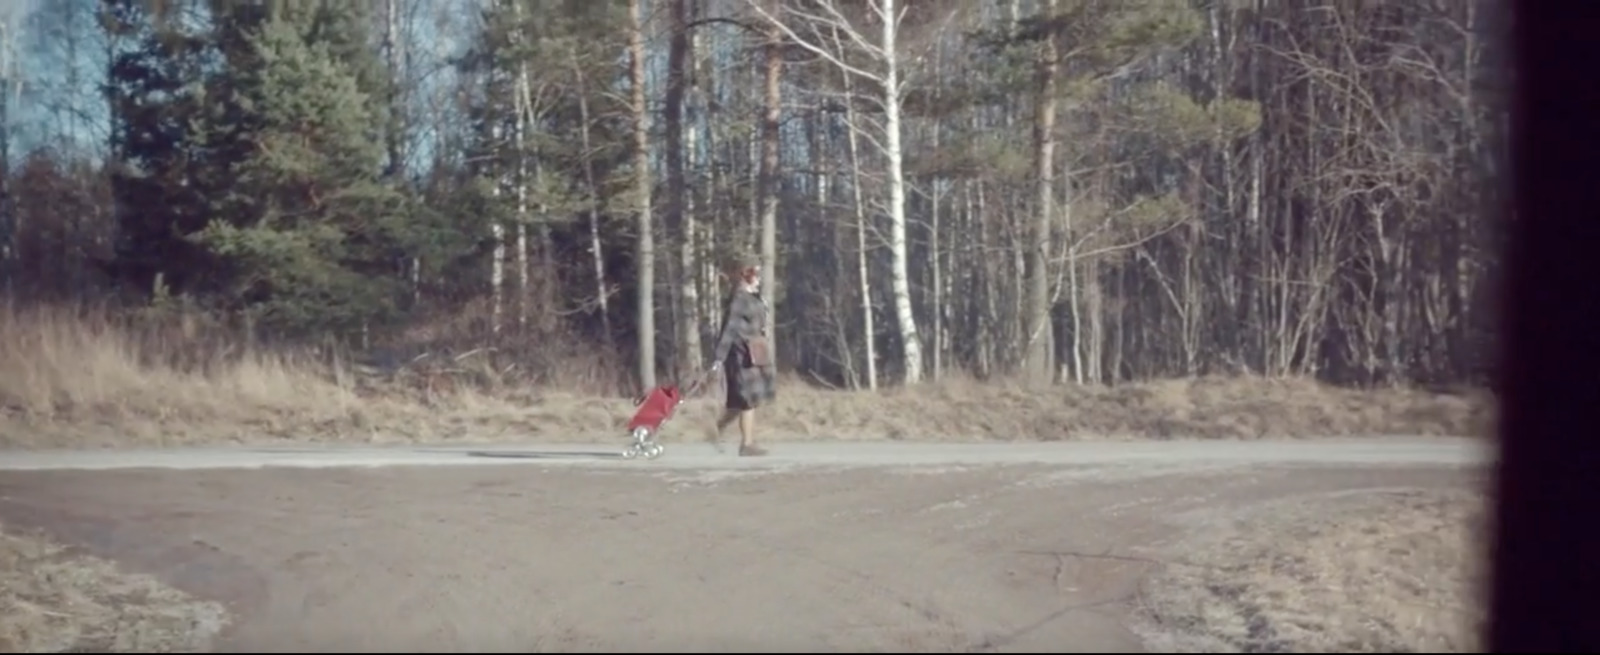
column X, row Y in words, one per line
column 1077, row 190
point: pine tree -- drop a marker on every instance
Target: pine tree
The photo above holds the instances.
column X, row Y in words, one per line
column 305, row 221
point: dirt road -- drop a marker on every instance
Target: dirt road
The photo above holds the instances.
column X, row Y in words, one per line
column 860, row 547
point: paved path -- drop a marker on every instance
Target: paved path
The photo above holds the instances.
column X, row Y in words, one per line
column 1377, row 451
column 821, row 546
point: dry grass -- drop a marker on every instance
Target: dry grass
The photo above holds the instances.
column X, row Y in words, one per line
column 1371, row 572
column 66, row 373
column 1222, row 408
column 72, row 378
column 52, row 601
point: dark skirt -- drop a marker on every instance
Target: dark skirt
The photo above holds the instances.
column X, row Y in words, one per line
column 750, row 387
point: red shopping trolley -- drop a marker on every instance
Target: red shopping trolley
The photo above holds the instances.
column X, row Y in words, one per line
column 656, row 407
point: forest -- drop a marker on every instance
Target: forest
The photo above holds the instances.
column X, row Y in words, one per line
column 1089, row 192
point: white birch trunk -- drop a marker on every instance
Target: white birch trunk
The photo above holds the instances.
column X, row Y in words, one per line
column 497, row 265
column 522, row 110
column 687, row 283
column 899, row 277
column 869, row 333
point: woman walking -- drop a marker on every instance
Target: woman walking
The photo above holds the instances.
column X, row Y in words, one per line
column 742, row 353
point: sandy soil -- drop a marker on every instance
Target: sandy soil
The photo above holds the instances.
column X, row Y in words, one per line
column 1001, row 558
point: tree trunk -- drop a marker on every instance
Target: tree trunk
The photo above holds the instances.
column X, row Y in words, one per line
column 394, row 135
column 1037, row 363
column 1074, row 303
column 646, row 255
column 899, row 278
column 523, row 109
column 937, row 274
column 687, row 356
column 869, row 335
column 592, row 189
column 935, row 253
column 769, row 175
column 395, row 55
column 705, row 86
column 497, row 233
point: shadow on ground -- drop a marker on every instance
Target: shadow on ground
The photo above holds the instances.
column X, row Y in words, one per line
column 500, row 454
column 544, row 454
column 292, row 451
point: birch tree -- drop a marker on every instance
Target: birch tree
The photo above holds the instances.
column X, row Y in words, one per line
column 815, row 21
column 863, row 277
column 1038, row 354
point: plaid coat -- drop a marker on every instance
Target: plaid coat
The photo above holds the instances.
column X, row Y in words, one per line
column 748, row 386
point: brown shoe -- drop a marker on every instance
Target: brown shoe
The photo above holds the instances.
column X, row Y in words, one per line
column 751, row 451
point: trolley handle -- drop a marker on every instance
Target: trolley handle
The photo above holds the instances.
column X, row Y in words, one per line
column 697, row 385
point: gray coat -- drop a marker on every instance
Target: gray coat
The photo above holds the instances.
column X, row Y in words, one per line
column 749, row 386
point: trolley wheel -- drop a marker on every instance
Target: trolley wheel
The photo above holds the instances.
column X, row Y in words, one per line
column 654, row 450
